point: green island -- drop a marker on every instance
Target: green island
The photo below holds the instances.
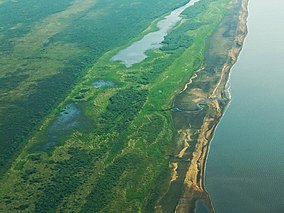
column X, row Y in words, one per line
column 105, row 137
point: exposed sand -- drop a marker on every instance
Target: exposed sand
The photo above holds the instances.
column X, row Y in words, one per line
column 191, row 79
column 174, row 171
column 194, row 186
column 193, row 182
column 186, row 141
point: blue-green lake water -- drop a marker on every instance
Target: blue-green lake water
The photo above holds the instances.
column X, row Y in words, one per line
column 245, row 166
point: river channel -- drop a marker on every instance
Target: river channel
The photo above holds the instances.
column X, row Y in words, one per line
column 245, row 166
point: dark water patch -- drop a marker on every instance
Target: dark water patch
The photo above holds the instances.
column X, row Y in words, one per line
column 201, row 105
column 84, row 90
column 19, row 118
column 200, row 207
column 66, row 115
column 69, row 119
column 81, row 95
column 103, row 84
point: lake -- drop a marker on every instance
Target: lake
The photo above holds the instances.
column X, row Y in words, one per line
column 245, row 166
column 136, row 52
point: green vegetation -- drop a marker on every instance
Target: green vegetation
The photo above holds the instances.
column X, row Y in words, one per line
column 121, row 164
column 121, row 110
column 69, row 177
column 46, row 47
column 108, row 181
column 13, row 26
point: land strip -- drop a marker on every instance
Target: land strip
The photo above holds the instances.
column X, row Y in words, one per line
column 208, row 87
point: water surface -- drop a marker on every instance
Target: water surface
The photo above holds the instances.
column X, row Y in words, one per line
column 200, row 207
column 245, row 168
column 135, row 53
column 103, row 84
column 70, row 119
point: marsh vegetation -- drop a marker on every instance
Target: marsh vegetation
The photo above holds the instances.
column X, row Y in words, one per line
column 119, row 160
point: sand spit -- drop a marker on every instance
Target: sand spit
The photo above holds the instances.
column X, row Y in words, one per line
column 197, row 128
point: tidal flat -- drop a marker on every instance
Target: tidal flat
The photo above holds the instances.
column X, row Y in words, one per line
column 201, row 105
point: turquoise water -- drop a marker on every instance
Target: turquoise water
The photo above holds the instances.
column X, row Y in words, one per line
column 245, row 167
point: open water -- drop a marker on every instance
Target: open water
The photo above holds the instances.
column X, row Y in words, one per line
column 245, row 167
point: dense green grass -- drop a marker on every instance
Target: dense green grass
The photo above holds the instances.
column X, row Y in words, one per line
column 121, row 165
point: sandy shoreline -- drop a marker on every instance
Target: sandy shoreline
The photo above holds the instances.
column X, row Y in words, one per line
column 216, row 102
column 242, row 32
column 200, row 155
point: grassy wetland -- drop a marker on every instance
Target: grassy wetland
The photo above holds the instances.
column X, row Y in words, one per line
column 48, row 46
column 102, row 137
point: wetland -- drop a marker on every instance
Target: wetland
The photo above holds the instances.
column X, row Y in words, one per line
column 136, row 52
column 124, row 136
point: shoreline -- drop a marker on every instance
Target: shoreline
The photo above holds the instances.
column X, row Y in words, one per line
column 191, row 156
column 233, row 54
column 240, row 40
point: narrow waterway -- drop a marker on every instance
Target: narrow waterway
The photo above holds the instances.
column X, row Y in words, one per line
column 245, row 167
column 136, row 52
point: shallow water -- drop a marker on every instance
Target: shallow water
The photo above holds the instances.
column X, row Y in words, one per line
column 103, row 84
column 65, row 122
column 135, row 53
column 201, row 207
column 245, row 167
column 69, row 119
